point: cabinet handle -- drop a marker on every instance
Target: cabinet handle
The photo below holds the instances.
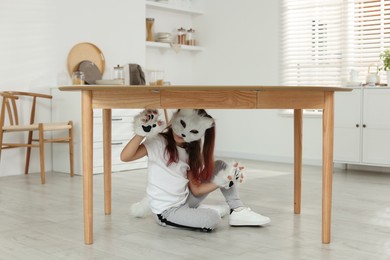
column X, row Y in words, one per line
column 116, row 119
column 364, row 125
column 120, row 143
column 357, row 125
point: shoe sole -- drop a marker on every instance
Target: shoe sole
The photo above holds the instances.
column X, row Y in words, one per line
column 253, row 224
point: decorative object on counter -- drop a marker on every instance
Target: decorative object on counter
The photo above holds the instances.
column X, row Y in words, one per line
column 119, row 74
column 134, row 74
column 385, row 58
column 149, row 29
column 78, row 78
column 181, row 36
column 91, row 71
column 164, row 37
column 373, row 78
column 85, row 51
column 191, row 37
column 353, row 80
column 156, row 78
column 354, row 75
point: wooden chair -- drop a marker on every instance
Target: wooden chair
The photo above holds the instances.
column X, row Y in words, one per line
column 11, row 101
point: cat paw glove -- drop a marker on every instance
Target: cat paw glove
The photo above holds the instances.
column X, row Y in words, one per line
column 228, row 176
column 147, row 123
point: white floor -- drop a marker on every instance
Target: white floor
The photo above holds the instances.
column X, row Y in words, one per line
column 46, row 221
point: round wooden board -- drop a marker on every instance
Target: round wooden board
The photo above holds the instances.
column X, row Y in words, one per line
column 85, row 51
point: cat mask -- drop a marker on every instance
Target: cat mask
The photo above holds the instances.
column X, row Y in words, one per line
column 189, row 125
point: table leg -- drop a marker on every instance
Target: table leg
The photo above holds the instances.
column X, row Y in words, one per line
column 327, row 165
column 107, row 118
column 87, row 156
column 297, row 159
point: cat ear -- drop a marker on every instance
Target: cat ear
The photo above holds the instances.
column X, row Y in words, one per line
column 208, row 122
column 182, row 113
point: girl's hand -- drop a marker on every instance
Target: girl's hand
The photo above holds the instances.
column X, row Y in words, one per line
column 147, row 123
column 228, row 177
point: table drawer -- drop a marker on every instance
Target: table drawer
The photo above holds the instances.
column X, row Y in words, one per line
column 208, row 99
column 126, row 98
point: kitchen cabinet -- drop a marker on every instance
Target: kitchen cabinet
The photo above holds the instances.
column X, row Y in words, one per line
column 67, row 107
column 362, row 127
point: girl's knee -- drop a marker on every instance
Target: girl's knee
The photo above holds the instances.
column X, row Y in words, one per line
column 213, row 218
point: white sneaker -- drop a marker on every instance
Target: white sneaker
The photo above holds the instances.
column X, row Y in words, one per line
column 140, row 209
column 223, row 210
column 244, row 216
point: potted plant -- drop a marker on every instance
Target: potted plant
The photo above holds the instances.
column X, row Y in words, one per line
column 385, row 58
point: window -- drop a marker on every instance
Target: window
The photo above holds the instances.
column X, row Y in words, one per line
column 322, row 41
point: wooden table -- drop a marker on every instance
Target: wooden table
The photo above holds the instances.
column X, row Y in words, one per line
column 208, row 97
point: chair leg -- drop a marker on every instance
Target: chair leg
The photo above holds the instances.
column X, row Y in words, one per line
column 71, row 149
column 28, row 153
column 42, row 153
column 1, row 141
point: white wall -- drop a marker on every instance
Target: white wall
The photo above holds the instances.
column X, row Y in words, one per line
column 241, row 40
column 36, row 37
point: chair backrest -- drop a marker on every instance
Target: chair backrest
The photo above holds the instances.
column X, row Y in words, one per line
column 9, row 107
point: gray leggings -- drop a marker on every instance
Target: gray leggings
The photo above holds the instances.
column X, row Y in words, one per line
column 191, row 217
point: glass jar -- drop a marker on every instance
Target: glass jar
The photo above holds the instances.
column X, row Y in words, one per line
column 191, row 37
column 119, row 73
column 181, row 36
column 156, row 78
column 78, row 78
column 149, row 29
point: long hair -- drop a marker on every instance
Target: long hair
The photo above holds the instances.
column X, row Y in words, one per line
column 200, row 159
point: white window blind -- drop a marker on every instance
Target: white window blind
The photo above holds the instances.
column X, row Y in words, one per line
column 371, row 33
column 322, row 41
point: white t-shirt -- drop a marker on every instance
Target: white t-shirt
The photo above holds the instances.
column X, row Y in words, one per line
column 167, row 185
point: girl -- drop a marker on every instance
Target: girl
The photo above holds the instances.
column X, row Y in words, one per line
column 182, row 171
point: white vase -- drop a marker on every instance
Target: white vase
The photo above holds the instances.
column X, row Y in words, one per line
column 388, row 77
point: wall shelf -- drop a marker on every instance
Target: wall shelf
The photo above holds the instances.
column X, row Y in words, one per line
column 163, row 45
column 171, row 7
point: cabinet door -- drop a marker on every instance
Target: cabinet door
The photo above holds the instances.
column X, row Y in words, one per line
column 376, row 133
column 347, row 128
